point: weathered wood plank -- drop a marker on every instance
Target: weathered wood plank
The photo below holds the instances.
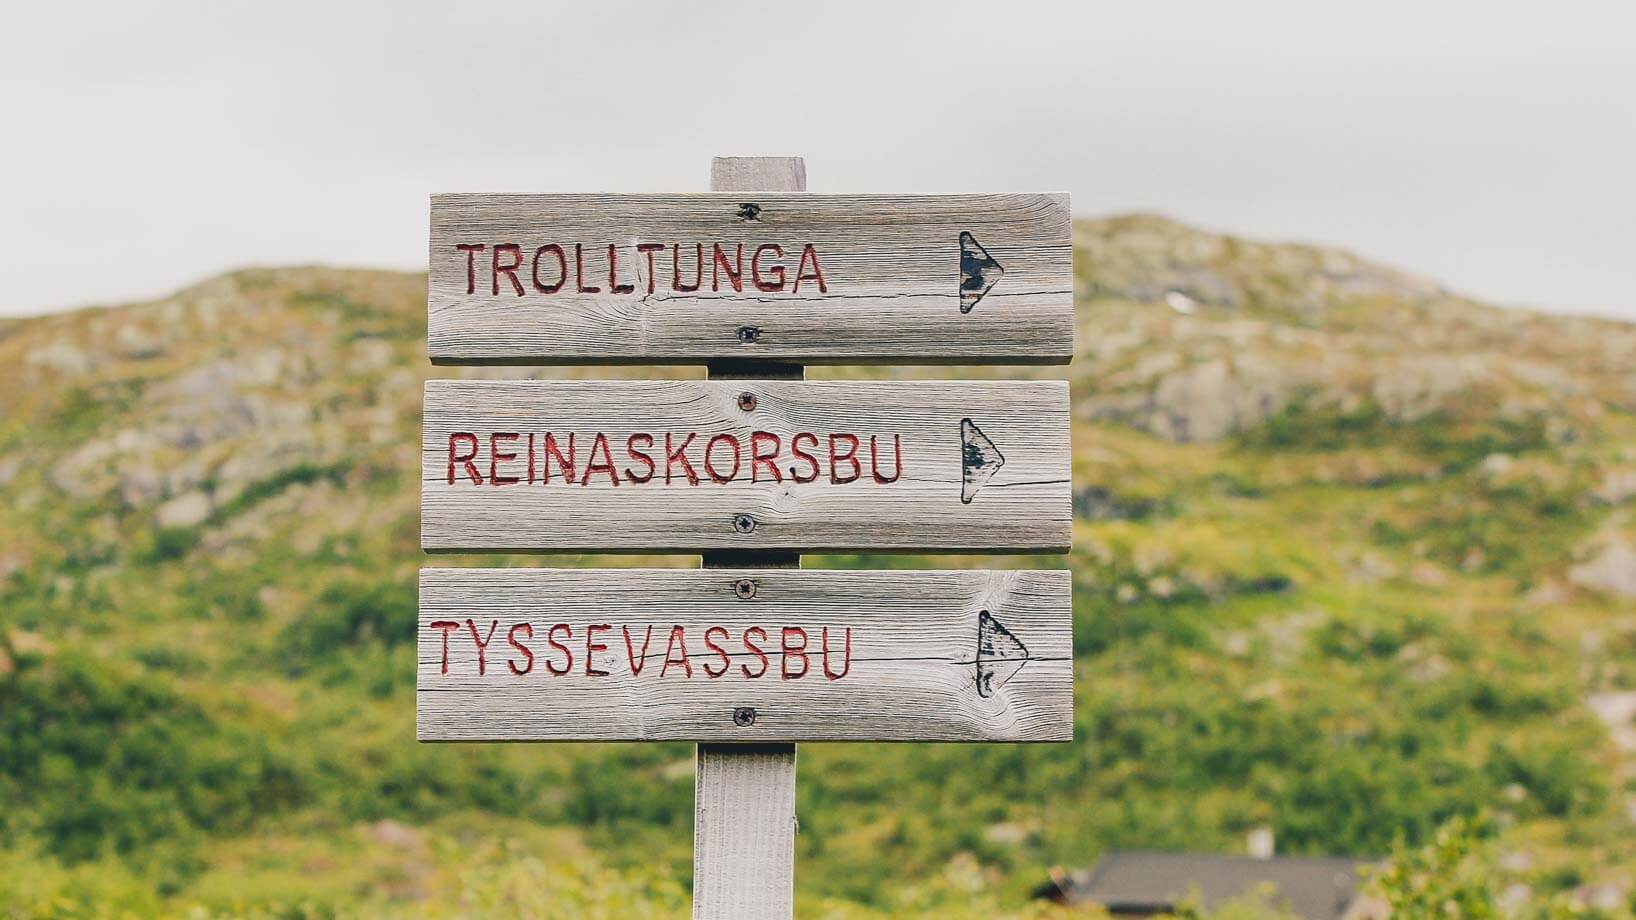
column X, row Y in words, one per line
column 746, row 655
column 978, row 279
column 893, row 466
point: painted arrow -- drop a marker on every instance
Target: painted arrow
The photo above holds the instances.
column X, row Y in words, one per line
column 978, row 271
column 979, row 460
column 999, row 654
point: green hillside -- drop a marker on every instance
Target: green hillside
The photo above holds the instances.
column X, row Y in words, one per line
column 1354, row 556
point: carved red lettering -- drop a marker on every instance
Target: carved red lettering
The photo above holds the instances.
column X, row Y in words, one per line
column 791, row 650
column 527, row 630
column 637, row 661
column 648, row 249
column 677, row 643
column 753, row 649
column 562, row 269
column 471, row 250
column 640, row 456
column 795, row 448
column 606, row 466
column 726, row 662
column 672, row 456
column 718, row 264
column 874, row 460
column 592, row 647
column 496, row 455
column 446, row 626
column 711, row 447
column 769, row 273
column 579, row 271
column 567, row 463
column 482, row 644
column 851, row 456
column 510, row 271
column 846, row 662
column 758, row 458
column 817, row 274
column 776, row 270
column 721, row 460
column 567, row 653
column 614, row 287
column 676, row 268
column 464, row 437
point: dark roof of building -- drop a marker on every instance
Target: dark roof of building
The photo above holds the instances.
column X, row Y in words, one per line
column 1312, row 887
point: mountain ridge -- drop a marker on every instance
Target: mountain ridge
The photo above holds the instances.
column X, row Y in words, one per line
column 1351, row 559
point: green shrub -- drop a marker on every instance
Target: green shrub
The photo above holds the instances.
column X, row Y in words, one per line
column 350, row 613
column 169, row 543
column 128, row 761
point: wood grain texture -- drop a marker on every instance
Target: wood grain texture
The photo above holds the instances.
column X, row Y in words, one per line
column 758, row 174
column 891, row 266
column 744, row 831
column 952, row 493
column 935, row 655
column 744, row 820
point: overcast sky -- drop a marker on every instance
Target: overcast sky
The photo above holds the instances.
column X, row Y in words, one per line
column 1491, row 145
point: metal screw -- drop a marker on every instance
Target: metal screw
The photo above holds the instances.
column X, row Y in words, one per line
column 749, row 334
column 744, row 715
column 743, row 523
column 746, row 401
column 744, row 588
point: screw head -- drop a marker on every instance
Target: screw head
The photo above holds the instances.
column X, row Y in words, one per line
column 743, row 523
column 746, row 401
column 744, row 588
column 744, row 716
column 748, row 334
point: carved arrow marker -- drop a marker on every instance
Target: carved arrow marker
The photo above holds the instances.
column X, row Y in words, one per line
column 978, row 271
column 999, row 654
column 979, row 460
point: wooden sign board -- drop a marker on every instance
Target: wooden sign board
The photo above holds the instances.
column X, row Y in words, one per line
column 774, row 277
column 744, row 655
column 900, row 466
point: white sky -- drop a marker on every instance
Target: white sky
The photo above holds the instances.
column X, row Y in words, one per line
column 1491, row 144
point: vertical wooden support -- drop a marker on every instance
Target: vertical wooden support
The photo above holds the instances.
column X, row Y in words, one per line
column 744, row 794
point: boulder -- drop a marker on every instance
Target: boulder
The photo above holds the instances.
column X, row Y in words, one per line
column 140, row 483
column 1422, row 384
column 1216, row 399
column 137, row 343
column 62, row 356
column 1617, row 486
column 1610, row 570
column 1194, row 404
column 186, row 510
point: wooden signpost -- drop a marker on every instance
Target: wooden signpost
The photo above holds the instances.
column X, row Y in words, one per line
column 836, row 279
column 744, row 655
column 749, row 654
column 684, row 465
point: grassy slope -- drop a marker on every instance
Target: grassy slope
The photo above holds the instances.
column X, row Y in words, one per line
column 1342, row 617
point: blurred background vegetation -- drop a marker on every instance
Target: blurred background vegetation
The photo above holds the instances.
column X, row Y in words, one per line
column 1354, row 561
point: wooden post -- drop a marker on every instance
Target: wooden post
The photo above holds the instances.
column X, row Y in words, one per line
column 744, row 795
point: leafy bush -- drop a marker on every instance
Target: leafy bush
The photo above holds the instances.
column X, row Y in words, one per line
column 1456, row 443
column 168, row 543
column 348, row 614
column 128, row 761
